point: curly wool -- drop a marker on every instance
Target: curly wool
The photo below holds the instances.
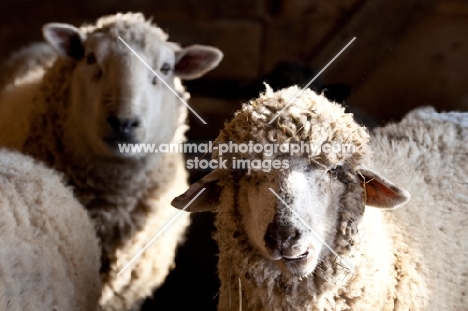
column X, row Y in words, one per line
column 430, row 148
column 307, row 117
column 312, row 119
column 413, row 258
column 48, row 247
column 315, row 120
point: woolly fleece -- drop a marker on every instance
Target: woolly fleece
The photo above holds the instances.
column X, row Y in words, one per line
column 48, row 247
column 128, row 199
column 413, row 258
column 307, row 117
column 427, row 154
column 315, row 120
column 27, row 64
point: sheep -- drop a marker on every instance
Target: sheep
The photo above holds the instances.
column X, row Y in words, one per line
column 27, row 64
column 323, row 230
column 49, row 251
column 96, row 96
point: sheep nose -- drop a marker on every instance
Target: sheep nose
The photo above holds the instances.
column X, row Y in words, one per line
column 122, row 125
column 281, row 237
column 122, row 129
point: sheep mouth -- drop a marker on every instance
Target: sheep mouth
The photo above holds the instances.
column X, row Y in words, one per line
column 120, row 148
column 297, row 258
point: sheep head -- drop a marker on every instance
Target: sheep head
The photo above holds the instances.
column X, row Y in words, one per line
column 292, row 216
column 114, row 97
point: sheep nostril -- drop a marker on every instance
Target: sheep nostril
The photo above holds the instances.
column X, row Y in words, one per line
column 271, row 236
column 131, row 123
column 288, row 233
column 278, row 236
column 293, row 234
column 122, row 125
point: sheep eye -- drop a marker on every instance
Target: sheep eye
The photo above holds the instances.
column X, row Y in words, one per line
column 90, row 59
column 165, row 68
column 154, row 81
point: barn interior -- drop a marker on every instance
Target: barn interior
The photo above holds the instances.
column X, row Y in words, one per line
column 406, row 54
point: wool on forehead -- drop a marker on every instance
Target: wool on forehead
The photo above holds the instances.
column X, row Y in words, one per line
column 307, row 117
column 129, row 26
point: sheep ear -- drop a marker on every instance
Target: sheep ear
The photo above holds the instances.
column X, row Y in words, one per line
column 208, row 200
column 194, row 61
column 66, row 39
column 380, row 192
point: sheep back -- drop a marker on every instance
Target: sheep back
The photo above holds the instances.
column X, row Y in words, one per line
column 49, row 250
column 427, row 154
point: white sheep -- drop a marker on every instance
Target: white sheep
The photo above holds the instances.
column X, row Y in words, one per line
column 95, row 96
column 314, row 235
column 49, row 251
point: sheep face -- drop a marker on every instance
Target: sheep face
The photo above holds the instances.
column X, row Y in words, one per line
column 115, row 97
column 289, row 216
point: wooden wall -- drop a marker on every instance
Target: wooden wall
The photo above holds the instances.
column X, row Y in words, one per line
column 407, row 52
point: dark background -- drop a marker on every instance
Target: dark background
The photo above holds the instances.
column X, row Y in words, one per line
column 407, row 53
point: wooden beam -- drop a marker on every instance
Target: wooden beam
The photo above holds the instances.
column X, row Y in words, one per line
column 378, row 26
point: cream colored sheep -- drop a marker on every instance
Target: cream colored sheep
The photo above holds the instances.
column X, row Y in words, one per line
column 26, row 65
column 314, row 234
column 96, row 96
column 49, row 252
